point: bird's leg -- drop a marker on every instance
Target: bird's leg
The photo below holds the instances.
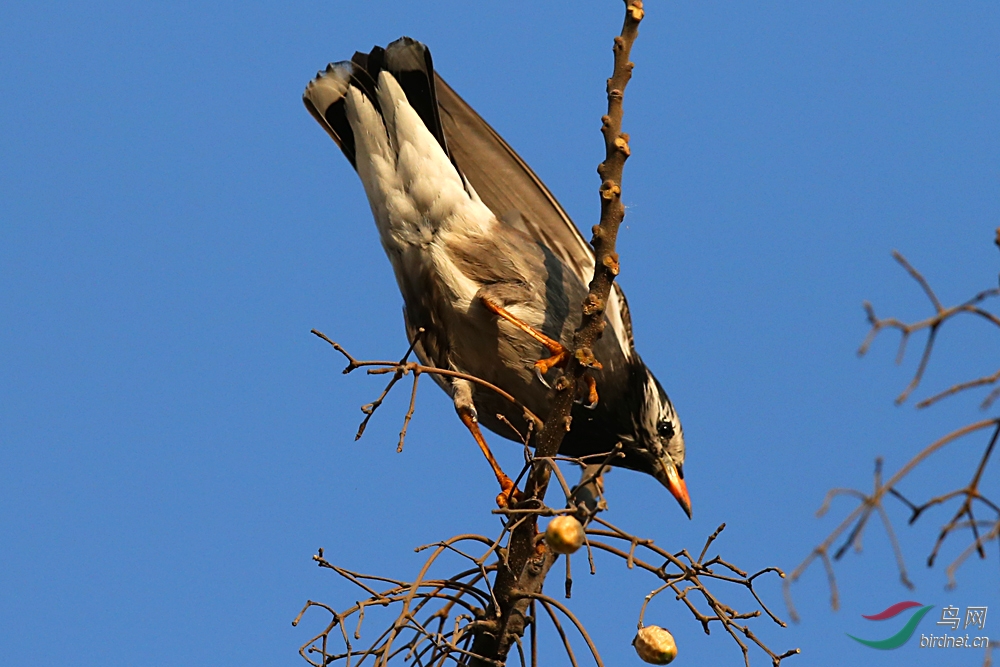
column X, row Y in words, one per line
column 509, row 493
column 588, row 390
column 560, row 355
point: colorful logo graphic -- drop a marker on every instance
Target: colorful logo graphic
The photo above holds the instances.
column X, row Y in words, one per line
column 904, row 634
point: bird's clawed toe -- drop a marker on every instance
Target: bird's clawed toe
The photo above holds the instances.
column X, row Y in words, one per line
column 587, row 392
column 510, row 495
column 592, row 396
column 541, row 378
column 560, row 355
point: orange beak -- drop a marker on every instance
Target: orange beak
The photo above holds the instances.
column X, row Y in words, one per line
column 678, row 489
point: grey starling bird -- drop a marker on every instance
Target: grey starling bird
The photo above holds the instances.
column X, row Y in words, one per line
column 488, row 263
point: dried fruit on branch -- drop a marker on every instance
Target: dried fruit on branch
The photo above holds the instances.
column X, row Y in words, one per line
column 564, row 534
column 655, row 645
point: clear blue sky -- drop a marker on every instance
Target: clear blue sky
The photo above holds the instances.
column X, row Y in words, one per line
column 174, row 444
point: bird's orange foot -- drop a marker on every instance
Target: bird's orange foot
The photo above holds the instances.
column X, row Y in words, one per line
column 590, row 391
column 510, row 495
column 560, row 355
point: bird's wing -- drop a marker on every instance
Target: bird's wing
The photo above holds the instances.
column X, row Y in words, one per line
column 505, row 183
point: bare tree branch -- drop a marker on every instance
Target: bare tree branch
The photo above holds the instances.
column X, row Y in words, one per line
column 470, row 593
column 932, row 324
column 606, row 267
column 972, row 498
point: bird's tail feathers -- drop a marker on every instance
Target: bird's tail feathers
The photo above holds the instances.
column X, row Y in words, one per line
column 324, row 98
column 408, row 60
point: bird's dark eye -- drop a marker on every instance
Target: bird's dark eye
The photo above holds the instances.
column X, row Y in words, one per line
column 665, row 429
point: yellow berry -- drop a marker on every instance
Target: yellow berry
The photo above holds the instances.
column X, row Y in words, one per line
column 564, row 534
column 655, row 645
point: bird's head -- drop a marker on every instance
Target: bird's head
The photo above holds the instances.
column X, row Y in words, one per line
column 659, row 442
